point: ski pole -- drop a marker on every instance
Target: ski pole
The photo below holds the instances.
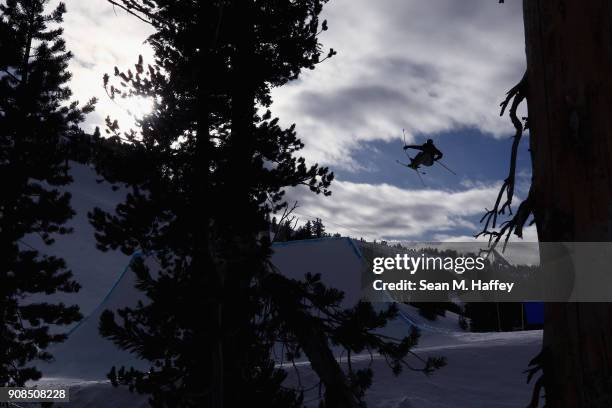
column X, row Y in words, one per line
column 443, row 165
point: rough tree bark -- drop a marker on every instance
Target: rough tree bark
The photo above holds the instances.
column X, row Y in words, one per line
column 569, row 94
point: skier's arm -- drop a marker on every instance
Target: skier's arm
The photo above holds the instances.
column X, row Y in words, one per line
column 437, row 155
column 417, row 147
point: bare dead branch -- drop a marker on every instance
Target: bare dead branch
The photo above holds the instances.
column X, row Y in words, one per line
column 514, row 97
column 284, row 218
column 515, row 224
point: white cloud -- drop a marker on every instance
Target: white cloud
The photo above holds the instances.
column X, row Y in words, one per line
column 383, row 211
column 424, row 66
column 427, row 66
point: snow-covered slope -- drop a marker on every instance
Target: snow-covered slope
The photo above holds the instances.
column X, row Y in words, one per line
column 484, row 369
column 94, row 270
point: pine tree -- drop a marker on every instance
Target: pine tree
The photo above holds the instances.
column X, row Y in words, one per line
column 37, row 121
column 308, row 230
column 207, row 170
column 318, row 229
column 286, row 231
column 304, row 232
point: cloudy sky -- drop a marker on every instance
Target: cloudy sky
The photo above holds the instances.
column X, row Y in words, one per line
column 437, row 69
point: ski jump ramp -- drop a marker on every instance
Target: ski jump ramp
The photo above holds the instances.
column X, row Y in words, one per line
column 87, row 355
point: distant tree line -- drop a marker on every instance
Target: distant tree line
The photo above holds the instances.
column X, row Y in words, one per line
column 289, row 231
column 479, row 316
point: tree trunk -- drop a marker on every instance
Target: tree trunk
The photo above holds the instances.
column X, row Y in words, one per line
column 313, row 341
column 238, row 216
column 569, row 71
column 205, row 274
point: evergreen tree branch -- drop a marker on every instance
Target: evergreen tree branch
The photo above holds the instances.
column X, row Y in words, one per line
column 133, row 8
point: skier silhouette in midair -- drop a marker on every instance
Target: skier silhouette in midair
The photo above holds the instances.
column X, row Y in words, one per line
column 428, row 154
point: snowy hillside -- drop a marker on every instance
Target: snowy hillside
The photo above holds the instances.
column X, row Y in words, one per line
column 484, row 369
column 94, row 270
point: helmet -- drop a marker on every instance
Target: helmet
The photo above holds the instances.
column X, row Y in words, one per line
column 429, row 141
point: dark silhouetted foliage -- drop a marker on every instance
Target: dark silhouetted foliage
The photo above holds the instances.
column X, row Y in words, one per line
column 37, row 125
column 206, row 171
